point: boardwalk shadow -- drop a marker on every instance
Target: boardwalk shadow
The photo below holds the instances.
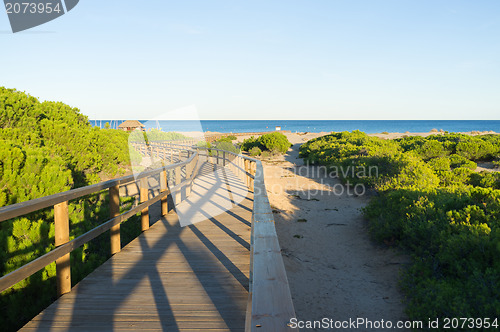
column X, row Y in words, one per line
column 170, row 278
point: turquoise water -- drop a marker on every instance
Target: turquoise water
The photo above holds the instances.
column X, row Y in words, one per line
column 368, row 126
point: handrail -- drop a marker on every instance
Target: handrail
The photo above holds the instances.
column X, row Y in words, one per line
column 61, row 218
column 270, row 306
column 19, row 209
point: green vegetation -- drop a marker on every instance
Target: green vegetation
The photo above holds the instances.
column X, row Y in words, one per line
column 46, row 148
column 274, row 142
column 155, row 135
column 226, row 144
column 255, row 151
column 433, row 204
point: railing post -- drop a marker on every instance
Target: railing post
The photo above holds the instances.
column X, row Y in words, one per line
column 247, row 169
column 171, row 155
column 224, row 158
column 189, row 171
column 253, row 169
column 114, row 210
column 178, row 193
column 240, row 166
column 163, row 188
column 63, row 264
column 143, row 185
column 180, row 155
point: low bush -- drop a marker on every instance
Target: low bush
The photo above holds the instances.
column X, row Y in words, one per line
column 274, row 142
column 226, row 146
column 432, row 203
column 155, row 135
column 440, row 164
column 431, row 149
column 475, row 149
column 460, row 161
column 47, row 148
column 455, row 241
column 255, row 151
column 250, row 143
column 266, row 155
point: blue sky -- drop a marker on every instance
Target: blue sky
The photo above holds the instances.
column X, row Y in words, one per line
column 293, row 59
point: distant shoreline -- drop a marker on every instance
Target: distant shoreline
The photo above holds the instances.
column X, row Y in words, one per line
column 316, row 126
column 298, row 137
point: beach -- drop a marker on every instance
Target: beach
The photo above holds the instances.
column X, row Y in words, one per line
column 334, row 268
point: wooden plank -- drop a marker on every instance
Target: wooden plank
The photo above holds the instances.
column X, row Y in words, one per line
column 270, row 300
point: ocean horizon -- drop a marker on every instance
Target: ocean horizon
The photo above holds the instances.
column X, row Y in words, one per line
column 315, row 126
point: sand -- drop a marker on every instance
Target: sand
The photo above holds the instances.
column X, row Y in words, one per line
column 334, row 269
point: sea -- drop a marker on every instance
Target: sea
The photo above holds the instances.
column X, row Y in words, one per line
column 314, row 126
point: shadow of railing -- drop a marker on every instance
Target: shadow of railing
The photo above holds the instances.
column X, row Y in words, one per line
column 212, row 274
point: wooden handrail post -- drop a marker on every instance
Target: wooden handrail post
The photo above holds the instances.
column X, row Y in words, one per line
column 180, row 155
column 178, row 193
column 114, row 210
column 63, row 264
column 143, row 185
column 240, row 166
column 253, row 169
column 189, row 172
column 247, row 169
column 163, row 188
column 171, row 154
column 223, row 158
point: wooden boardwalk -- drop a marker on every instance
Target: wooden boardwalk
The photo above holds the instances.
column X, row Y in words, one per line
column 171, row 278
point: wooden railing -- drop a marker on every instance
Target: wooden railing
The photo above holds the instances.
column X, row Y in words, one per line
column 270, row 305
column 61, row 254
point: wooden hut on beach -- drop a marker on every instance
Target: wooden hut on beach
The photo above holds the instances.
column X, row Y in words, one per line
column 130, row 125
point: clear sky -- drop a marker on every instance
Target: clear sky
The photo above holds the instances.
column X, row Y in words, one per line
column 273, row 59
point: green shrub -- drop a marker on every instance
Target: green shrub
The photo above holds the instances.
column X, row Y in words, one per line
column 224, row 139
column 203, row 144
column 475, row 149
column 227, row 146
column 275, row 141
column 485, row 179
column 46, row 148
column 455, row 241
column 460, row 161
column 431, row 149
column 440, row 164
column 155, row 135
column 249, row 143
column 409, row 172
column 266, row 155
column 432, row 203
column 255, row 151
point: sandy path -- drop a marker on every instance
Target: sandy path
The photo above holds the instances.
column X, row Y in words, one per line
column 334, row 269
